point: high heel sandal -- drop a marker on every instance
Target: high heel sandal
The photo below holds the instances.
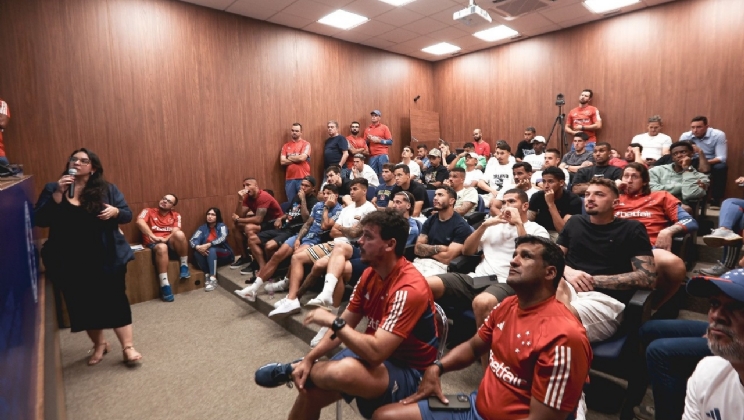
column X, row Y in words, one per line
column 136, row 361
column 93, row 360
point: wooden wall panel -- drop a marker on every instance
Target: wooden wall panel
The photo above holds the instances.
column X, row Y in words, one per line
column 678, row 60
column 183, row 99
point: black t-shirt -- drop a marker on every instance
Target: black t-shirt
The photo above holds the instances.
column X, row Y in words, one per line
column 584, row 175
column 432, row 174
column 605, row 249
column 334, row 149
column 569, row 203
column 294, row 214
column 524, row 148
column 418, row 191
column 455, row 229
column 450, row 157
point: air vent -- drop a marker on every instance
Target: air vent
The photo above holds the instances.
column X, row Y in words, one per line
column 511, row 9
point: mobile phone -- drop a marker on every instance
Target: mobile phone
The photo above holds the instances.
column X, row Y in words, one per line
column 458, row 402
column 459, row 150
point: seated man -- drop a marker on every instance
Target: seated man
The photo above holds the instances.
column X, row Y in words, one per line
column 663, row 217
column 385, row 363
column 616, row 159
column 522, row 172
column 715, row 389
column 539, row 355
column 403, row 182
column 607, row 258
column 498, row 174
column 442, row 235
column 434, row 176
column 361, row 170
column 552, row 158
column 322, row 218
column 288, row 225
column 495, row 237
column 600, row 169
column 467, row 197
column 333, row 177
column 554, row 205
column 712, row 144
column 345, row 229
column 422, row 157
column 255, row 209
column 385, row 190
column 407, row 159
column 467, row 148
column 472, row 175
column 537, row 158
column 730, row 221
column 578, row 158
column 161, row 232
column 680, row 178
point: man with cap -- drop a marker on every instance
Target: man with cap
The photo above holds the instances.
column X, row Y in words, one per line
column 536, row 159
column 716, row 388
column 459, row 162
column 472, row 174
column 435, row 175
column 379, row 139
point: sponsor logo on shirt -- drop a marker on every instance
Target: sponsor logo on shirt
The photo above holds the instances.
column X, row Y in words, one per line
column 631, row 214
column 714, row 414
column 503, row 372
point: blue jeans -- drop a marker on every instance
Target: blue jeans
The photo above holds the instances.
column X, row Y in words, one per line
column 4, row 160
column 376, row 162
column 291, row 187
column 219, row 255
column 673, row 349
column 731, row 217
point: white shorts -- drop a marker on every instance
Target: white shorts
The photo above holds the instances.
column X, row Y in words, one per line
column 600, row 314
column 429, row 266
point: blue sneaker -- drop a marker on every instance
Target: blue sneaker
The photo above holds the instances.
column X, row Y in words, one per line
column 166, row 293
column 185, row 272
column 273, row 375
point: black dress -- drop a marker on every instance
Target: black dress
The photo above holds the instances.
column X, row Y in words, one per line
column 95, row 297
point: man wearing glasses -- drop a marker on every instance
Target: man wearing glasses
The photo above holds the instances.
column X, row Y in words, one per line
column 161, row 232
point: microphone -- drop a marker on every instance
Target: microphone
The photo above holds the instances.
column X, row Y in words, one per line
column 71, row 191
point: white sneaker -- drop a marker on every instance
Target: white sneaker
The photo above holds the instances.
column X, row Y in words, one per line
column 289, row 307
column 280, row 302
column 278, row 286
column 720, row 237
column 319, row 336
column 320, row 301
column 210, row 284
column 249, row 293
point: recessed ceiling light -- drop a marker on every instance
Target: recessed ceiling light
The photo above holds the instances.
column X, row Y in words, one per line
column 397, row 2
column 496, row 33
column 343, row 19
column 441, row 49
column 602, row 6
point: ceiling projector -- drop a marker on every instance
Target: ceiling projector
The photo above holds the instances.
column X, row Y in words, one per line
column 468, row 14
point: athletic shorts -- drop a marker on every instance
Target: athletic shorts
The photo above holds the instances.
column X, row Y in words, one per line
column 278, row 235
column 172, row 254
column 459, row 291
column 428, row 414
column 305, row 241
column 322, row 250
column 600, row 314
column 402, row 383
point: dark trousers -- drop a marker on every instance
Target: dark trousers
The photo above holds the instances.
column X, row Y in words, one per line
column 718, row 173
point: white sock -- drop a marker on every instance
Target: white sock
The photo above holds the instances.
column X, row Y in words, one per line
column 185, row 261
column 163, row 279
column 253, row 287
column 334, row 310
column 329, row 286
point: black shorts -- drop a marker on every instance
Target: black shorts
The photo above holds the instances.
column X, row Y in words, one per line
column 459, row 290
column 278, row 235
column 172, row 254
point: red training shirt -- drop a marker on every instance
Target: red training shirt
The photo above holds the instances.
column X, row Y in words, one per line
column 656, row 211
column 161, row 226
column 357, row 143
column 483, row 149
column 382, row 131
column 587, row 115
column 297, row 170
column 264, row 200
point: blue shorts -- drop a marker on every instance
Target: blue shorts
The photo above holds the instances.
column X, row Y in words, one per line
column 172, row 254
column 428, row 414
column 305, row 241
column 403, row 382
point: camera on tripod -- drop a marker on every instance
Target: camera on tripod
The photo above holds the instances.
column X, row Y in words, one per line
column 560, row 100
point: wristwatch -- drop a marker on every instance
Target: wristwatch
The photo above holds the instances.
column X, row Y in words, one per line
column 338, row 323
column 440, row 366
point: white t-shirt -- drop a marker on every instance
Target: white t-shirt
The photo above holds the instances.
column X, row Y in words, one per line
column 369, row 174
column 351, row 215
column 415, row 169
column 498, row 247
column 536, row 161
column 714, row 392
column 537, row 177
column 467, row 195
column 474, row 175
column 652, row 146
column 498, row 176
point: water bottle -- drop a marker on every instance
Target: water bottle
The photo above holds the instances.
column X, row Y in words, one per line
column 270, row 288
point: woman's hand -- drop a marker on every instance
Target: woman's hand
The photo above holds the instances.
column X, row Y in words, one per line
column 108, row 212
column 64, row 183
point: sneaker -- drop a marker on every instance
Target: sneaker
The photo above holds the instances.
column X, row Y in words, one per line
column 715, row 271
column 273, row 375
column 319, row 336
column 720, row 237
column 248, row 269
column 249, row 295
column 243, row 260
column 280, row 302
column 644, row 412
column 320, row 302
column 166, row 293
column 185, row 272
column 277, row 286
column 210, row 284
column 289, row 307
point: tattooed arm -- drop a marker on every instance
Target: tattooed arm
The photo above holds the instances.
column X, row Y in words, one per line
column 643, row 276
column 423, row 249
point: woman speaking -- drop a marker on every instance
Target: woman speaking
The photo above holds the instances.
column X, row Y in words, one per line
column 86, row 254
